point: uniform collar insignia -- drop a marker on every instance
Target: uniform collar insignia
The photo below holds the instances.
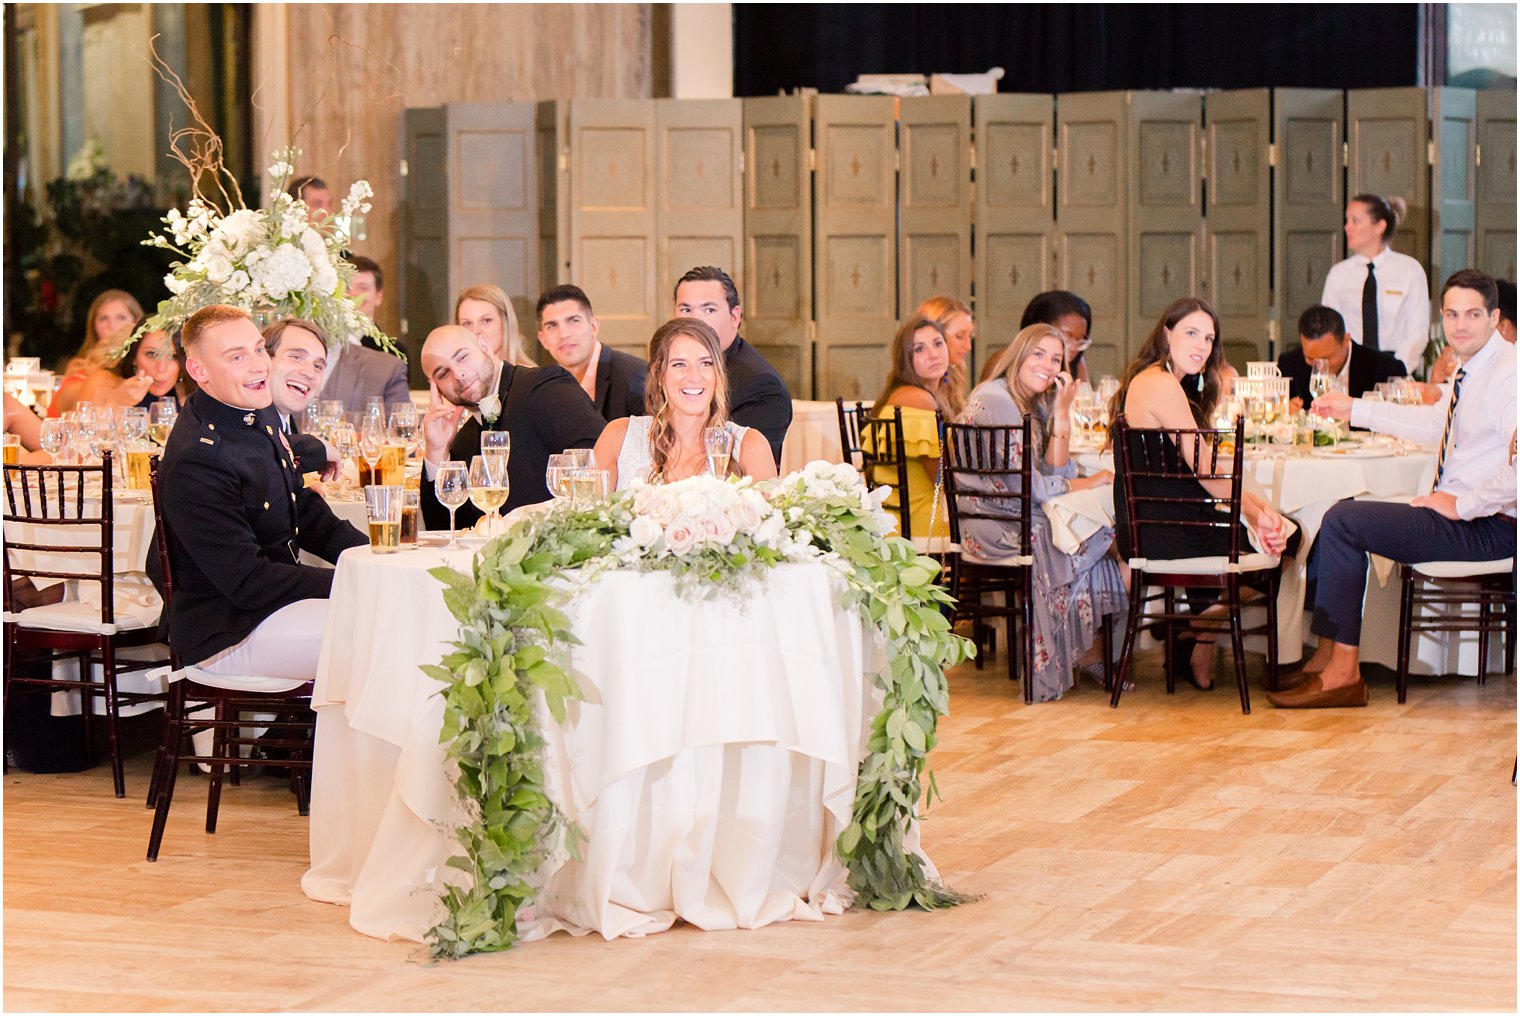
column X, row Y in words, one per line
column 248, row 418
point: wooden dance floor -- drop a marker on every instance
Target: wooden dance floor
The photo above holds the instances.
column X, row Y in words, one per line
column 1172, row 854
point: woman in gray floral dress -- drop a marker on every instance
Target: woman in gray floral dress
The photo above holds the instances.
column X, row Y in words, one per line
column 1073, row 594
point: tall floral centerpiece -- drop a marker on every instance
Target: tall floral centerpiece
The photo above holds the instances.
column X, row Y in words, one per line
column 278, row 261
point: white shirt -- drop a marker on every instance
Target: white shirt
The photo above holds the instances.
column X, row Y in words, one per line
column 1403, row 302
column 1478, row 471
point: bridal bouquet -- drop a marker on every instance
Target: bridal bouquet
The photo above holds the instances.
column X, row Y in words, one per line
column 274, row 262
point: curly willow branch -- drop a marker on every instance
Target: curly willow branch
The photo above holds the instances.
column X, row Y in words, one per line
column 198, row 147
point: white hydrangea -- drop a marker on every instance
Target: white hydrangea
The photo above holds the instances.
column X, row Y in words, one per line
column 280, row 271
column 240, row 231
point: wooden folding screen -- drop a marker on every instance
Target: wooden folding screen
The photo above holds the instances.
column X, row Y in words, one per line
column 1237, row 264
column 1497, row 183
column 934, row 200
column 1309, row 201
column 1092, row 227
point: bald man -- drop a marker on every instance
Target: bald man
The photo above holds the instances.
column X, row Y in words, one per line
column 543, row 408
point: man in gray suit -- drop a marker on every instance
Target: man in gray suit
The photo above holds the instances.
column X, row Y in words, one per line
column 355, row 372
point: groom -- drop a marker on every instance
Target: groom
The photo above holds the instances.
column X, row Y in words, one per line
column 542, row 407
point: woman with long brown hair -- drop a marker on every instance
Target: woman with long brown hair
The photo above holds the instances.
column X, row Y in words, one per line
column 91, row 373
column 954, row 319
column 1175, row 382
column 1074, row 594
column 919, row 359
column 687, row 394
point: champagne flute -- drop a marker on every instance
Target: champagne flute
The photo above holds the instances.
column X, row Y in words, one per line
column 496, row 446
column 719, row 443
column 554, row 475
column 488, row 487
column 452, row 485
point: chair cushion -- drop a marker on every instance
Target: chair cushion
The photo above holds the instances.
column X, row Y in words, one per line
column 1216, row 565
column 85, row 617
column 935, row 545
column 237, row 682
column 1462, row 569
column 1013, row 561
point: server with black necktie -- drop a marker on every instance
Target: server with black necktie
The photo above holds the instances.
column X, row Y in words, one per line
column 1383, row 296
column 1469, row 515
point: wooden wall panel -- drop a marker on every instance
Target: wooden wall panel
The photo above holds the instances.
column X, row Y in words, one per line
column 1308, row 130
column 1015, row 213
column 1388, row 130
column 778, row 236
column 422, row 284
column 934, row 200
column 1165, row 199
column 1236, row 275
column 1453, row 183
column 353, row 69
column 1091, row 227
column 1497, row 183
column 699, row 210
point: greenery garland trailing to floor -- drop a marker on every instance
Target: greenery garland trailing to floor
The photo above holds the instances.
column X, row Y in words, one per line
column 712, row 535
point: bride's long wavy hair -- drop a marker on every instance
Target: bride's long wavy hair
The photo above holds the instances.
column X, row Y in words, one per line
column 662, row 435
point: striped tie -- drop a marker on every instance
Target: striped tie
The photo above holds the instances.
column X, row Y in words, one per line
column 1451, row 412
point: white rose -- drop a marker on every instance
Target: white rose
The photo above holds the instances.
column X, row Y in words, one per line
column 642, row 494
column 716, row 527
column 845, row 474
column 693, row 502
column 681, row 535
column 175, row 284
column 237, row 281
column 746, row 515
column 241, row 230
column 663, row 507
column 218, row 266
column 768, row 533
column 645, row 531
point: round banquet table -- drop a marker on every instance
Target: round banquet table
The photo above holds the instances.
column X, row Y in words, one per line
column 711, row 764
column 1305, row 487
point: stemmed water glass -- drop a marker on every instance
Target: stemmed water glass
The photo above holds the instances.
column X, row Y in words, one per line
column 403, row 424
column 346, row 442
column 554, row 476
column 1319, row 377
column 718, row 442
column 53, row 436
column 372, row 445
column 161, row 417
column 452, row 485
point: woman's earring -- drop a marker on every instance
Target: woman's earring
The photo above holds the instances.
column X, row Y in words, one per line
column 1200, row 381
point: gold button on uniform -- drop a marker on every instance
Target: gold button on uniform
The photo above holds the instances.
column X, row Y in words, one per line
column 266, row 506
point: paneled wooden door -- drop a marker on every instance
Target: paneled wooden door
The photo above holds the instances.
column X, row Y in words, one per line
column 1091, row 221
column 1309, row 200
column 855, row 242
column 1454, row 182
column 553, row 125
column 612, row 216
column 1165, row 199
column 1388, row 130
column 934, row 200
column 1015, row 213
column 1497, row 183
column 424, row 277
column 493, row 232
column 778, row 236
column 1236, row 276
column 699, row 218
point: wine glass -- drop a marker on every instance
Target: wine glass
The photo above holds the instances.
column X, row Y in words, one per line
column 554, row 475
column 331, row 412
column 1319, row 377
column 488, row 485
column 53, row 437
column 346, row 443
column 134, row 424
column 161, row 417
column 582, row 458
column 452, row 485
column 403, row 424
column 372, row 445
column 496, row 446
column 311, row 419
column 719, row 444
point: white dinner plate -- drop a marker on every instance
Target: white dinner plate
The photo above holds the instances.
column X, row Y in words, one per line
column 1351, row 451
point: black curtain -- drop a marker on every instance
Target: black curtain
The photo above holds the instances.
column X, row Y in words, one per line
column 1079, row 47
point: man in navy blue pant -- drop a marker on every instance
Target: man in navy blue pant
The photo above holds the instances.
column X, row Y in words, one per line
column 1469, row 515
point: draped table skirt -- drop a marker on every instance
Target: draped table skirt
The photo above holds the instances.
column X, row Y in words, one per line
column 711, row 763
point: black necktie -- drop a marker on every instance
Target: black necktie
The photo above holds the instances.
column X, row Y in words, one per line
column 1369, row 310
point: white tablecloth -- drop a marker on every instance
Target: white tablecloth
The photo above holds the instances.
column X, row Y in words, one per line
column 1306, row 488
column 712, row 764
column 814, row 434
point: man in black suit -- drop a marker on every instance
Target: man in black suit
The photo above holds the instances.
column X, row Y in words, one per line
column 542, row 407
column 1322, row 336
column 613, row 379
column 238, row 516
column 297, row 365
column 757, row 397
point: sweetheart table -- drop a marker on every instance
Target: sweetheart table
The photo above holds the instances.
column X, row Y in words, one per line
column 711, row 764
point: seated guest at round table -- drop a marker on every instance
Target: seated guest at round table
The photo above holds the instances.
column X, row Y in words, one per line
column 239, row 516
column 486, row 312
column 569, row 330
column 1322, row 336
column 543, row 409
column 919, row 357
column 1175, row 382
column 1075, row 592
column 153, row 356
column 21, row 421
column 1446, row 364
column 687, row 394
column 297, row 367
column 90, row 375
column 1468, row 516
column 954, row 319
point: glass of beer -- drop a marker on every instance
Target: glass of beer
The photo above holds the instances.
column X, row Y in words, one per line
column 393, row 465
column 382, row 506
column 12, row 449
column 139, row 460
column 411, row 516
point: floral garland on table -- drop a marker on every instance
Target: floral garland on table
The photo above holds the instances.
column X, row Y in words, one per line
column 277, row 261
column 708, row 533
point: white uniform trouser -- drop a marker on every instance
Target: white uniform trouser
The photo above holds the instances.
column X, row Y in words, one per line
column 285, row 646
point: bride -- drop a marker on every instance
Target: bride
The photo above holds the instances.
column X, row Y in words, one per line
column 687, row 393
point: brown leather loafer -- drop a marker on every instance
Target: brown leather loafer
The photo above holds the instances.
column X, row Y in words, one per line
column 1288, row 680
column 1312, row 694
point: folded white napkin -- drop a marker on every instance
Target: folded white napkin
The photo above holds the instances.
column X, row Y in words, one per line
column 1076, row 515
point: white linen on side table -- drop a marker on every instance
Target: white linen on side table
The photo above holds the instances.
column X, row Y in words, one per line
column 711, row 765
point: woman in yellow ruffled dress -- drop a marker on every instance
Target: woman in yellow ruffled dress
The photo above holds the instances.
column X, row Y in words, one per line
column 920, row 359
